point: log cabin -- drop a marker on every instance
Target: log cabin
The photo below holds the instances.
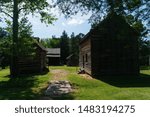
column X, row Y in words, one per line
column 53, row 56
column 111, row 48
column 33, row 64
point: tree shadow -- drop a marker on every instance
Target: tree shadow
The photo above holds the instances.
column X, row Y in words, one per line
column 68, row 96
column 24, row 75
column 64, row 97
column 145, row 67
column 143, row 80
column 19, row 88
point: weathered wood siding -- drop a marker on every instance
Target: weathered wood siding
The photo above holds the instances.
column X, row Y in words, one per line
column 32, row 64
column 85, row 56
column 27, row 65
column 41, row 57
column 114, row 50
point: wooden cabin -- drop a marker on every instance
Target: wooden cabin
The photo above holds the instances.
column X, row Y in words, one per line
column 111, row 48
column 72, row 60
column 53, row 56
column 33, row 64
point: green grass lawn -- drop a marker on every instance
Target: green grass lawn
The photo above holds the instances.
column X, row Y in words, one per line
column 25, row 87
column 109, row 88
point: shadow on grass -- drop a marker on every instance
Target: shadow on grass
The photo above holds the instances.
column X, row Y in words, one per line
column 19, row 88
column 145, row 67
column 142, row 80
column 64, row 97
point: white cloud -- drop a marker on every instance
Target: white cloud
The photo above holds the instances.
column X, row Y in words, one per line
column 78, row 19
column 75, row 21
column 63, row 24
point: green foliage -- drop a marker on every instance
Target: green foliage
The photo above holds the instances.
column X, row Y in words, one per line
column 64, row 45
column 5, row 47
column 3, row 33
column 74, row 45
column 144, row 43
column 25, row 28
column 100, row 8
column 68, row 45
column 27, row 7
column 62, row 42
column 51, row 42
column 25, row 42
column 18, row 10
column 47, row 18
column 137, row 25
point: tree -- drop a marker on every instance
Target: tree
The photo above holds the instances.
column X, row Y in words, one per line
column 64, row 45
column 144, row 43
column 25, row 43
column 21, row 8
column 5, row 44
column 100, row 8
column 51, row 42
column 74, row 45
column 137, row 9
column 3, row 33
column 54, row 42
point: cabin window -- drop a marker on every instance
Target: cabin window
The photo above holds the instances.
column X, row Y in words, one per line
column 86, row 58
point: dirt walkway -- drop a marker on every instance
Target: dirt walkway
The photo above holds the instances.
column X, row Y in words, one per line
column 59, row 74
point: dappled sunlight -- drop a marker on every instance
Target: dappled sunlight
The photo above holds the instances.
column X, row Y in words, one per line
column 84, row 86
column 23, row 87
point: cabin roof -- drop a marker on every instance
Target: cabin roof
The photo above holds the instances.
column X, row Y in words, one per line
column 53, row 52
column 106, row 20
column 69, row 56
column 40, row 46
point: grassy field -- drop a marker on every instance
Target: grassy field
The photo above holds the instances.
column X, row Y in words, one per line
column 107, row 88
column 26, row 87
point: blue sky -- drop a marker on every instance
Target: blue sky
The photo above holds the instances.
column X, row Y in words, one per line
column 77, row 24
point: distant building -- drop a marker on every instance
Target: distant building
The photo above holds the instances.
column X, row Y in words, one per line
column 53, row 56
column 111, row 48
column 72, row 60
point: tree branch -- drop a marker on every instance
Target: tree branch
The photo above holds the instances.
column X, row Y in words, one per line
column 6, row 13
column 96, row 5
column 21, row 9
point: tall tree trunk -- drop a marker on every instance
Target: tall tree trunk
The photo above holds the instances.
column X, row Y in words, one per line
column 14, row 64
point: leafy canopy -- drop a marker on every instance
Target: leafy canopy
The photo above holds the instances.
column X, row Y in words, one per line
column 100, row 8
column 26, row 7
